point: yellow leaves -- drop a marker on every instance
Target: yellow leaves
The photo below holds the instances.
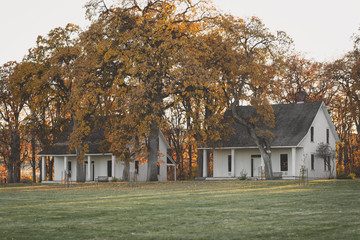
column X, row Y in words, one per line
column 71, row 26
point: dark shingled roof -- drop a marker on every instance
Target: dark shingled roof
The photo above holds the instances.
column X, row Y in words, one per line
column 292, row 122
column 61, row 147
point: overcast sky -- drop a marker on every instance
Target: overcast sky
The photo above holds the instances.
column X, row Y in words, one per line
column 321, row 29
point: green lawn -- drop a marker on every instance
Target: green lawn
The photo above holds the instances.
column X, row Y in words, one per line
column 182, row 210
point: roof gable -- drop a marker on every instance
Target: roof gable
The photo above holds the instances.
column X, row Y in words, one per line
column 292, row 122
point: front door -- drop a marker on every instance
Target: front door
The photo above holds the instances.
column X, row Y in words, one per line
column 256, row 166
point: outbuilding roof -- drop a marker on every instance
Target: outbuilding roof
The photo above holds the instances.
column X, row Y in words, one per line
column 61, row 147
column 292, row 122
column 96, row 142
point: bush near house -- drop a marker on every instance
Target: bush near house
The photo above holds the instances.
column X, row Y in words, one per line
column 346, row 176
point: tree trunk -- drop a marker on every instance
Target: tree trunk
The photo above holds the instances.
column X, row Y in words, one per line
column 17, row 172
column 15, row 156
column 190, row 161
column 262, row 144
column 153, row 151
column 80, row 171
column 40, row 167
column 33, row 159
column 268, row 165
column 126, row 172
column 34, row 174
column 10, row 172
column 200, row 163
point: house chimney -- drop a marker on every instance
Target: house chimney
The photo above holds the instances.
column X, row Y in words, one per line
column 300, row 96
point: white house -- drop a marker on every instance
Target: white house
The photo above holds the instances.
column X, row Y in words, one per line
column 299, row 128
column 104, row 166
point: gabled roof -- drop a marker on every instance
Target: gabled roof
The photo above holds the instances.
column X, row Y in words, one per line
column 61, row 147
column 292, row 122
column 94, row 141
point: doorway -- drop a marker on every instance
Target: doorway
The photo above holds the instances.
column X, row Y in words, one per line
column 255, row 166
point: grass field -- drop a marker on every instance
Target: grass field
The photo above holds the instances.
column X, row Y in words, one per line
column 182, row 210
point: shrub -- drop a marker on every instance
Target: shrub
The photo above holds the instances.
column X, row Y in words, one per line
column 26, row 179
column 346, row 176
column 243, row 175
column 114, row 180
column 352, row 176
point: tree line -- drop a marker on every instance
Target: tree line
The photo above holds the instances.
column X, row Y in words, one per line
column 178, row 66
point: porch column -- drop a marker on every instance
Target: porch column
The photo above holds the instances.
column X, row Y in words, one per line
column 232, row 162
column 205, row 163
column 293, row 159
column 65, row 167
column 89, row 168
column 43, row 169
column 113, row 157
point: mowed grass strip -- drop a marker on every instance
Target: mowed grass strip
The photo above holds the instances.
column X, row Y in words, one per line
column 158, row 197
column 183, row 210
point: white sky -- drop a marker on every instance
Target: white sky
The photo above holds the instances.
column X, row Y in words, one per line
column 321, row 29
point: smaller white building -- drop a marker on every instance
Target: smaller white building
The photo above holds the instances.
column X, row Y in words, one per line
column 103, row 166
column 299, row 128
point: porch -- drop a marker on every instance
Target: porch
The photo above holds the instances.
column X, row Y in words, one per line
column 232, row 163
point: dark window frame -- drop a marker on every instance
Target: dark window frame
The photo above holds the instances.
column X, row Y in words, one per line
column 137, row 163
column 327, row 136
column 69, row 168
column 229, row 163
column 284, row 162
column 312, row 134
column 312, row 162
column 109, row 168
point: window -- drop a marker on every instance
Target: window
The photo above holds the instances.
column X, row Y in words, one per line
column 109, row 168
column 328, row 163
column 312, row 162
column 325, row 164
column 136, row 166
column 158, row 169
column 229, row 163
column 69, row 168
column 312, row 134
column 327, row 136
column 284, row 162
